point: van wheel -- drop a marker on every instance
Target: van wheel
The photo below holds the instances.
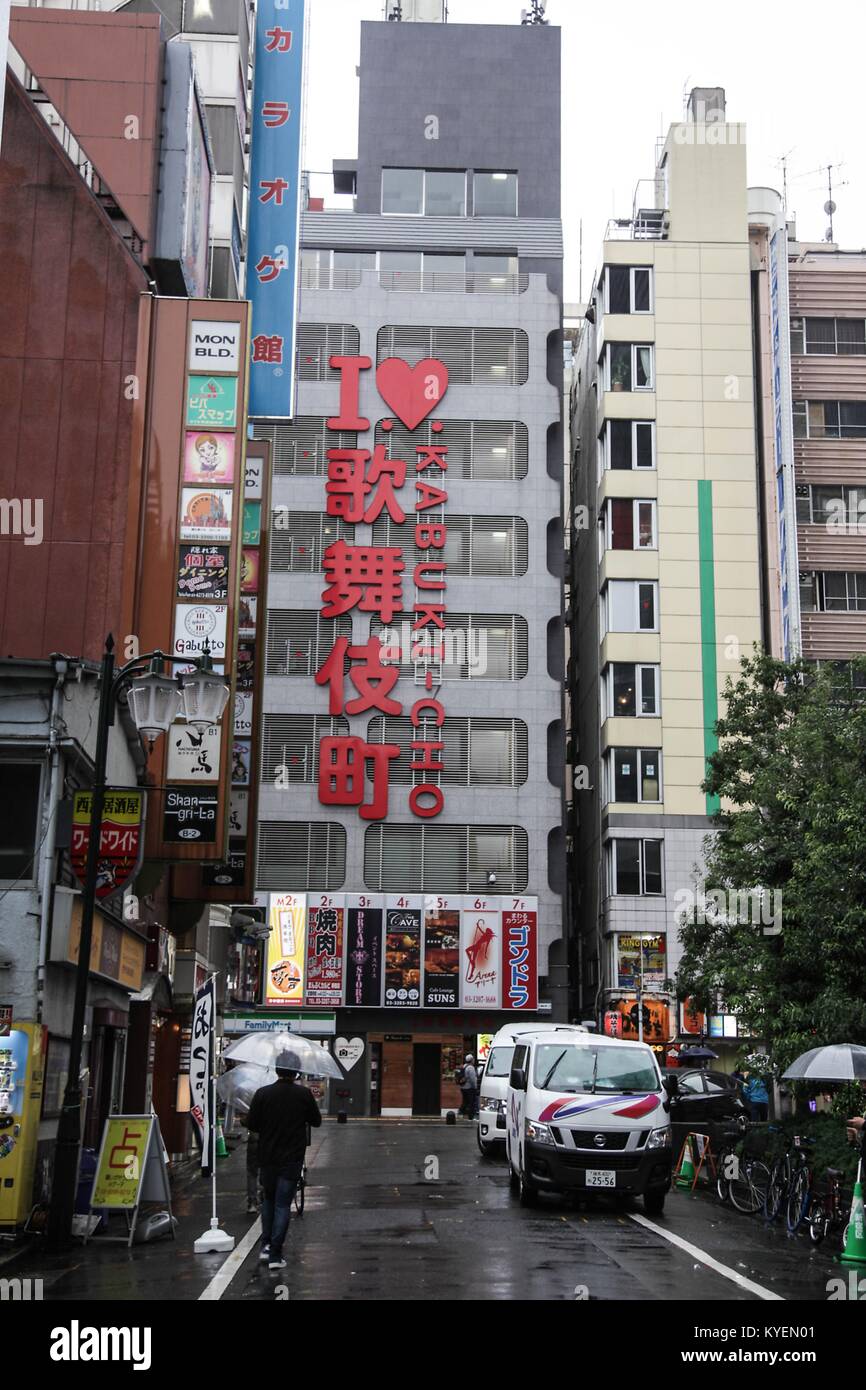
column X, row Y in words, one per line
column 528, row 1192
column 654, row 1203
column 513, row 1179
column 484, row 1148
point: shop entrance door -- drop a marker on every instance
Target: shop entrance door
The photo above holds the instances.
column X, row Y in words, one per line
column 426, row 1078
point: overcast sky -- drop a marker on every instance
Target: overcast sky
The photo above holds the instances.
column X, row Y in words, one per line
column 793, row 73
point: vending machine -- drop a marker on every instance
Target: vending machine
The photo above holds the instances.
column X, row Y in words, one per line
column 22, row 1073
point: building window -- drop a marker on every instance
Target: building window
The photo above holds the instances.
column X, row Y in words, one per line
column 495, row 274
column 419, row 192
column 334, row 270
column 298, row 540
column 478, row 752
column 445, row 858
column 829, row 419
column 635, row 867
column 19, row 820
column 473, row 356
column 628, row 289
column 495, row 194
column 630, row 524
column 299, row 640
column 474, row 646
column 627, row 445
column 629, row 605
column 833, row 592
column 629, row 367
column 832, row 505
column 476, row 545
column 633, row 774
column 403, row 192
column 632, row 691
column 300, row 449
column 290, row 746
column 306, row 854
column 318, row 343
column 828, row 337
column 478, row 450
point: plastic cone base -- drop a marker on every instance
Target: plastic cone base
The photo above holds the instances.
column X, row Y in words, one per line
column 855, row 1246
column 214, row 1241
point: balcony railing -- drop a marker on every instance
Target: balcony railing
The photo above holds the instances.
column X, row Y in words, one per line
column 418, row 282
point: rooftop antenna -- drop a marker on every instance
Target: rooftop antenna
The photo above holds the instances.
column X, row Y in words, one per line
column 782, row 163
column 686, row 97
column 535, row 14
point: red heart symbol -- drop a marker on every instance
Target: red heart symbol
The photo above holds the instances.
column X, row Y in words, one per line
column 412, row 392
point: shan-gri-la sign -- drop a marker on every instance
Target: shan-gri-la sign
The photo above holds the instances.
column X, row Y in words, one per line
column 362, row 487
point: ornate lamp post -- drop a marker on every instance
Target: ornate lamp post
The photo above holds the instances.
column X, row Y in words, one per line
column 155, row 701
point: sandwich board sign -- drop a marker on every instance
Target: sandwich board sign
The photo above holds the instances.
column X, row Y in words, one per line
column 132, row 1168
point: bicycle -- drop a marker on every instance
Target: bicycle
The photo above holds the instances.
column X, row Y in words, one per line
column 827, row 1211
column 790, row 1183
column 741, row 1180
column 300, row 1189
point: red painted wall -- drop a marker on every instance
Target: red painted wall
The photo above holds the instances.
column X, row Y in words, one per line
column 69, row 292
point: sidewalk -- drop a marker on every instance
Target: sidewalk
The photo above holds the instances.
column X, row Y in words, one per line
column 163, row 1270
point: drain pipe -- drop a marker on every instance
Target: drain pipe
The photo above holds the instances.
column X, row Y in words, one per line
column 61, row 667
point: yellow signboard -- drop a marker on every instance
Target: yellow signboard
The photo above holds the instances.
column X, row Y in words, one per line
column 287, row 950
column 121, row 1161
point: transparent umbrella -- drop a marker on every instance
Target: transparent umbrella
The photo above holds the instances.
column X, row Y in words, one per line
column 263, row 1049
column 238, row 1086
column 838, row 1062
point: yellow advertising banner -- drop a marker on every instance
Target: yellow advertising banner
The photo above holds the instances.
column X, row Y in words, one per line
column 287, row 950
column 121, row 1161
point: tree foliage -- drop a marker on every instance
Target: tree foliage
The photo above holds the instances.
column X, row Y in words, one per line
column 791, row 772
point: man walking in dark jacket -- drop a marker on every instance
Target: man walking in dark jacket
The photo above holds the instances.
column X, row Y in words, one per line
column 279, row 1115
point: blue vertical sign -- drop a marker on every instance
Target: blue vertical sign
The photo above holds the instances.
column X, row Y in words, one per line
column 275, row 201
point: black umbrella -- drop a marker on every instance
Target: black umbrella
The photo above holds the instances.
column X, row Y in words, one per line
column 698, row 1054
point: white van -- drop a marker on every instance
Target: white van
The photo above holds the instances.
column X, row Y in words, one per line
column 494, row 1083
column 589, row 1115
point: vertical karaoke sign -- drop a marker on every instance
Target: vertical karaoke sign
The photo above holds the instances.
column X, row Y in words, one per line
column 275, row 205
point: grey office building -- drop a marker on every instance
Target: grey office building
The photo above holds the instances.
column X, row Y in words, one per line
column 448, row 246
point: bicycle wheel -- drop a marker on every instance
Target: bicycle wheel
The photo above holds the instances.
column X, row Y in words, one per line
column 747, row 1194
column 775, row 1191
column 798, row 1200
column 819, row 1223
column 300, row 1190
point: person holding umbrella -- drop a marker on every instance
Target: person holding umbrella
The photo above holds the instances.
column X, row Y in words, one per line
column 279, row 1115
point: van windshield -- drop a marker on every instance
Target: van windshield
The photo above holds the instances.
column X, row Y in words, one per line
column 565, row 1067
column 499, row 1061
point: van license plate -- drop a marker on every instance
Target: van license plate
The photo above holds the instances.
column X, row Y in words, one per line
column 600, row 1177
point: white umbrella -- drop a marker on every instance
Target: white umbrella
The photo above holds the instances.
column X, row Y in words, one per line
column 839, row 1062
column 263, row 1049
column 238, row 1086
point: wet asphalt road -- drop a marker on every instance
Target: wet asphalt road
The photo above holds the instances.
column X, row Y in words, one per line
column 379, row 1224
column 408, row 1210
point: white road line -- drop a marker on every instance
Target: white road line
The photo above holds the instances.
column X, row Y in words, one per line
column 232, row 1263
column 697, row 1254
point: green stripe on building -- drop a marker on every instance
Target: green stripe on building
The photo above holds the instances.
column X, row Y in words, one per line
column 709, row 666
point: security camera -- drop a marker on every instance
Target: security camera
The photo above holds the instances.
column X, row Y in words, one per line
column 249, row 926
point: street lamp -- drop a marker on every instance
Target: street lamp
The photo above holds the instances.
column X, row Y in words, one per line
column 155, row 700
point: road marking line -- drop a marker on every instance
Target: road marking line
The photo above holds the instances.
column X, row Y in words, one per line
column 232, row 1263
column 698, row 1254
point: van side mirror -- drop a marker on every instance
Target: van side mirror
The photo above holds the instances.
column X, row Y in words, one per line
column 517, row 1079
column 672, row 1085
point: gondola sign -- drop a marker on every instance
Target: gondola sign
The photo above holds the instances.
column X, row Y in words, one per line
column 121, row 840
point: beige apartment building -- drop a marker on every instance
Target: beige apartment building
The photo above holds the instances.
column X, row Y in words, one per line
column 665, row 571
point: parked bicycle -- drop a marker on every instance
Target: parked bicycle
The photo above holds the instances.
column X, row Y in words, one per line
column 828, row 1211
column 741, row 1179
column 790, row 1184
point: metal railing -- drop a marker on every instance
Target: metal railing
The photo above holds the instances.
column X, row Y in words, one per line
column 418, row 282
